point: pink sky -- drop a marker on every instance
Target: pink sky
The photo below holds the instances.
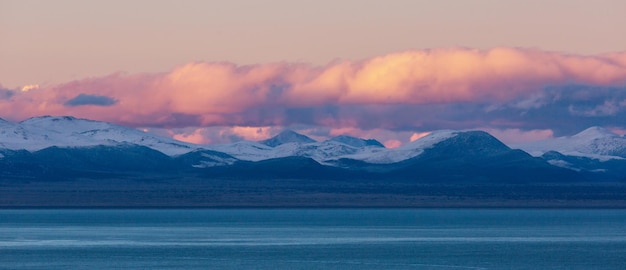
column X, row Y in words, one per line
column 49, row 42
column 210, row 72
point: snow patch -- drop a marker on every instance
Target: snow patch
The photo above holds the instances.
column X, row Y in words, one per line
column 562, row 164
column 42, row 132
column 215, row 161
column 244, row 150
column 407, row 151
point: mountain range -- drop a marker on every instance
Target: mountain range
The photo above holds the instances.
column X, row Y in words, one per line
column 78, row 146
column 70, row 162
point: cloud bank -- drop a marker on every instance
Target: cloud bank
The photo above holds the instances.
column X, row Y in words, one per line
column 457, row 88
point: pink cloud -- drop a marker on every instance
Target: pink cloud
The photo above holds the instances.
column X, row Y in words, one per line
column 417, row 136
column 516, row 136
column 392, row 143
column 195, row 136
column 250, row 133
column 617, row 130
column 224, row 94
column 220, row 134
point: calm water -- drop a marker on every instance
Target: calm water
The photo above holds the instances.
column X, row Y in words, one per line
column 313, row 239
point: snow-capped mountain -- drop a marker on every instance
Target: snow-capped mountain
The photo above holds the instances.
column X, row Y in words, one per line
column 245, row 150
column 409, row 150
column 287, row 136
column 319, row 151
column 50, row 139
column 595, row 142
column 66, row 161
column 292, row 144
column 42, row 132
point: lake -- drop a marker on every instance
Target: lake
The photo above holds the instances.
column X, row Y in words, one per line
column 313, row 239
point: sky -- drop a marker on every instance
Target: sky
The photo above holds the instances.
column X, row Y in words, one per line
column 221, row 71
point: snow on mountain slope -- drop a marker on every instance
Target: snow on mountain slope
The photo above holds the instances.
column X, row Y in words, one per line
column 347, row 147
column 594, row 142
column 252, row 151
column 330, row 150
column 319, row 151
column 41, row 132
column 409, row 150
column 289, row 143
column 15, row 136
column 245, row 150
column 287, row 136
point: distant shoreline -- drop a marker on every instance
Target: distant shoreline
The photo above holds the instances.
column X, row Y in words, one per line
column 168, row 193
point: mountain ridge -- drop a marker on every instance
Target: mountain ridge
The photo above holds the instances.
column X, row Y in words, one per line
column 74, row 139
column 286, row 136
column 594, row 142
column 446, row 168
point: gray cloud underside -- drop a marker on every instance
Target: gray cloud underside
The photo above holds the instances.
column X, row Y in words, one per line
column 564, row 109
column 85, row 99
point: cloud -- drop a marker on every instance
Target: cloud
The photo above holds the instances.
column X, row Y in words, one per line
column 194, row 136
column 392, row 143
column 222, row 134
column 517, row 136
column 228, row 134
column 29, row 87
column 617, row 130
column 412, row 91
column 6, row 93
column 608, row 108
column 391, row 139
column 417, row 136
column 86, row 99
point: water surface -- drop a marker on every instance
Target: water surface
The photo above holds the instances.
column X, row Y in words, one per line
column 313, row 239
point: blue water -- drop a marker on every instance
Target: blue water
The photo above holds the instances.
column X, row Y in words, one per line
column 313, row 239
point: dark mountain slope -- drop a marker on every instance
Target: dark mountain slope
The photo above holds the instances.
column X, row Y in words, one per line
column 476, row 156
column 120, row 158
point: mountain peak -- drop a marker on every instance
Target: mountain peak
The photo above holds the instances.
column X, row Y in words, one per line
column 467, row 144
column 287, row 136
column 594, row 142
column 356, row 142
column 595, row 132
